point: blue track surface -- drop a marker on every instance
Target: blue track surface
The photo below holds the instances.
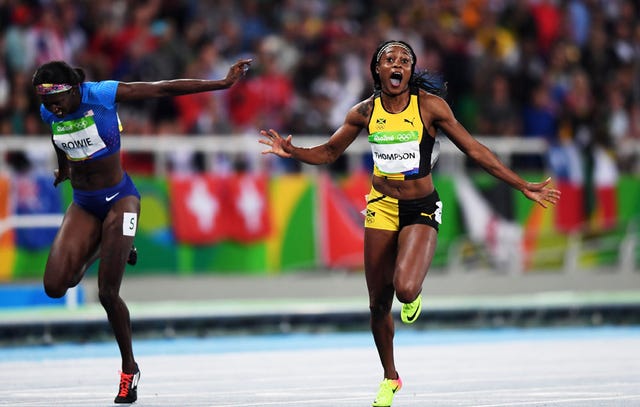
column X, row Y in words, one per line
column 304, row 341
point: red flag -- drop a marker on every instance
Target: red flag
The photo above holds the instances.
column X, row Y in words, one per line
column 198, row 209
column 341, row 227
column 6, row 234
column 248, row 214
column 569, row 210
column 606, row 216
column 356, row 187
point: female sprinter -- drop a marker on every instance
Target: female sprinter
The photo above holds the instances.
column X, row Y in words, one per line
column 101, row 221
column 403, row 210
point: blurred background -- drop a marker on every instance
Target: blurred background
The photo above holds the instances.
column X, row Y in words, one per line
column 551, row 86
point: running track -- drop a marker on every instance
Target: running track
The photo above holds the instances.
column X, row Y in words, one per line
column 474, row 367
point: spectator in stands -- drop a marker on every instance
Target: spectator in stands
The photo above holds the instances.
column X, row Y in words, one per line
column 101, row 221
column 540, row 114
column 19, row 51
column 578, row 134
column 116, row 32
column 547, row 15
column 540, row 119
column 403, row 211
column 265, row 99
column 498, row 112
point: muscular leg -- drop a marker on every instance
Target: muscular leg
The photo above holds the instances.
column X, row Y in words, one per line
column 394, row 266
column 114, row 254
column 416, row 247
column 78, row 277
column 380, row 252
column 74, row 249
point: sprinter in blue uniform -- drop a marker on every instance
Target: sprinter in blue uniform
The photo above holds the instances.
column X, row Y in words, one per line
column 101, row 221
column 403, row 210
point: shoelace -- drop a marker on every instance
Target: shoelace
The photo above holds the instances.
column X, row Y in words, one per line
column 125, row 382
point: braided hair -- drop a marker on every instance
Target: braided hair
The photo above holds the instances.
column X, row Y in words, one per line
column 423, row 79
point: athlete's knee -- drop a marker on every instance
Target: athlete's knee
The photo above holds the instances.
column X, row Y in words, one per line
column 407, row 291
column 54, row 289
column 379, row 309
column 108, row 296
column 62, row 271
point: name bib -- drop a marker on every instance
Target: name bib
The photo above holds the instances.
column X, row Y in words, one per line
column 395, row 152
column 78, row 138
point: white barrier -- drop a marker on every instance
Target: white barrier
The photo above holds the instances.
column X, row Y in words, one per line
column 29, row 221
column 163, row 147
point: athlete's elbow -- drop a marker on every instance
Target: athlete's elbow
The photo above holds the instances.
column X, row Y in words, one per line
column 328, row 160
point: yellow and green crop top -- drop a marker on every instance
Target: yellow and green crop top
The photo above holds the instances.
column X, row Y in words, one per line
column 400, row 144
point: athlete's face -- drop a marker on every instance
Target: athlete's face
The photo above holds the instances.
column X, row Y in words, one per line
column 63, row 103
column 394, row 68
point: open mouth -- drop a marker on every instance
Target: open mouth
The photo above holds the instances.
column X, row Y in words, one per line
column 396, row 78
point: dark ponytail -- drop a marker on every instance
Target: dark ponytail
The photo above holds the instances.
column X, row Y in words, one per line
column 58, row 72
column 430, row 82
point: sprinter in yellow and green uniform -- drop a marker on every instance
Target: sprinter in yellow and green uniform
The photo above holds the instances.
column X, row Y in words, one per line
column 403, row 212
column 401, row 148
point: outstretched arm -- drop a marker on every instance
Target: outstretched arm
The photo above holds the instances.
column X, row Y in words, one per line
column 324, row 153
column 176, row 87
column 441, row 116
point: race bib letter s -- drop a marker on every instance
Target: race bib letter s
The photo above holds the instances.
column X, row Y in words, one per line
column 129, row 223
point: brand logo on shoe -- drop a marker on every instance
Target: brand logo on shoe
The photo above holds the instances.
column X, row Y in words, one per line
column 411, row 317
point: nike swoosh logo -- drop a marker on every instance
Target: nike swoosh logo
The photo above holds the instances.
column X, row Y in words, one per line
column 412, row 317
column 109, row 198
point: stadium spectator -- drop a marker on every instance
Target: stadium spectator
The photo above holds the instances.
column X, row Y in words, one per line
column 532, row 41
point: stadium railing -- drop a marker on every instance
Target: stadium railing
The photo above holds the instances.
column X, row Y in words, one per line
column 624, row 246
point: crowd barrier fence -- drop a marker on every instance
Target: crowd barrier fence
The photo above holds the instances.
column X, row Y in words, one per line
column 623, row 246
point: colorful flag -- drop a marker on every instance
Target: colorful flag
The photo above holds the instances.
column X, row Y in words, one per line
column 248, row 213
column 341, row 227
column 198, row 209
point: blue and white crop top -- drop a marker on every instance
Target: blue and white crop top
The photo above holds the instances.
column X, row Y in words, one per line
column 92, row 131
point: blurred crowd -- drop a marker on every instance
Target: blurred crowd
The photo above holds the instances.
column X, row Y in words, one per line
column 565, row 70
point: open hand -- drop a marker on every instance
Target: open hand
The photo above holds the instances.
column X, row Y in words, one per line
column 540, row 193
column 278, row 145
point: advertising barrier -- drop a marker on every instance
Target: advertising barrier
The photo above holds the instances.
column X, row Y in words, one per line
column 250, row 223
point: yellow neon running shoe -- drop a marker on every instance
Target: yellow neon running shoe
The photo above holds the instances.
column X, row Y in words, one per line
column 388, row 389
column 411, row 311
